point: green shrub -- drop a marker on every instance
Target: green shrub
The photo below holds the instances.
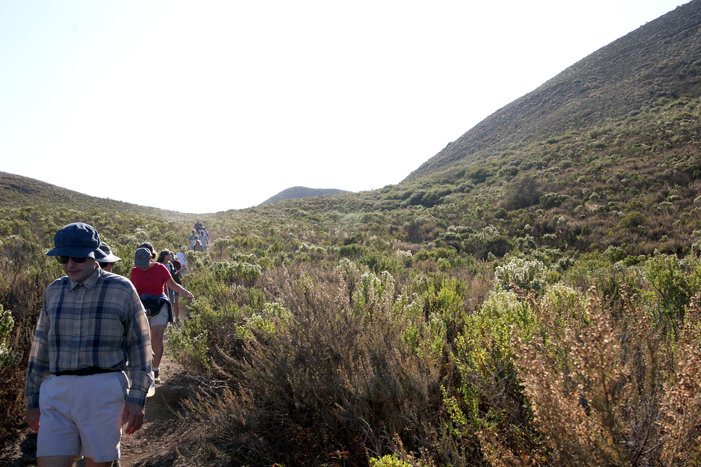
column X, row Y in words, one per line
column 311, row 387
column 189, row 345
column 551, row 200
column 479, row 174
column 524, row 193
column 487, row 404
column 633, row 221
column 390, row 460
column 674, row 282
column 379, row 262
column 521, row 273
column 234, row 272
column 7, row 356
column 488, row 240
column 351, row 251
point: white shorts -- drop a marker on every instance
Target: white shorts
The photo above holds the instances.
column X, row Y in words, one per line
column 161, row 319
column 82, row 416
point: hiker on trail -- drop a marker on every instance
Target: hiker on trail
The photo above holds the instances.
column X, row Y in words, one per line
column 150, row 279
column 198, row 226
column 193, row 238
column 150, row 248
column 176, row 296
column 91, row 330
column 165, row 257
column 108, row 262
column 204, row 239
column 198, row 246
column 180, row 256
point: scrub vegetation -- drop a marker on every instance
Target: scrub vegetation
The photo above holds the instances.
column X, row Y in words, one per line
column 324, row 335
column 530, row 296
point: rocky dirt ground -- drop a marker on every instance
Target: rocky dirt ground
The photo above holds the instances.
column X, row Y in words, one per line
column 148, row 447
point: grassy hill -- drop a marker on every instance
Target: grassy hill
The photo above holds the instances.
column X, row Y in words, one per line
column 18, row 191
column 653, row 65
column 529, row 296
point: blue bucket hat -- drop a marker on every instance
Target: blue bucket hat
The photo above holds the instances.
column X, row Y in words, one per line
column 79, row 240
column 110, row 258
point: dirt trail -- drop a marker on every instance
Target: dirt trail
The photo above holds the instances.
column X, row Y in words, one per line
column 144, row 447
column 161, row 417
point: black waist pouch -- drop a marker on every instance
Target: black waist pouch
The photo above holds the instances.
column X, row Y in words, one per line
column 153, row 306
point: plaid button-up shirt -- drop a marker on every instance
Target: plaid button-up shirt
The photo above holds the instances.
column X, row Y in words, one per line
column 97, row 323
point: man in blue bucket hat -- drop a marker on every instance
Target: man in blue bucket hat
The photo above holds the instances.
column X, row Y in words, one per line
column 91, row 330
column 107, row 263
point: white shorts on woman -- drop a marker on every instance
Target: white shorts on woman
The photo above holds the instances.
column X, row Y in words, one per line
column 162, row 318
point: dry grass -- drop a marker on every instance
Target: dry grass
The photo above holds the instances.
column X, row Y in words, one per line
column 681, row 421
column 347, row 370
column 24, row 274
column 336, row 376
column 613, row 397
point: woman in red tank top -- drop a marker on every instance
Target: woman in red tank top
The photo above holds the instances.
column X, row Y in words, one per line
column 150, row 279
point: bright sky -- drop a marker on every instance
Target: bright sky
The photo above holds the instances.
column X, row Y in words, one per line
column 207, row 106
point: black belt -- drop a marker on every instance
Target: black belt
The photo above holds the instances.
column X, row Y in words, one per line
column 91, row 370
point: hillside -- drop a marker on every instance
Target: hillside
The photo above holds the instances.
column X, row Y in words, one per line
column 603, row 155
column 301, row 192
column 658, row 61
column 529, row 296
column 18, row 191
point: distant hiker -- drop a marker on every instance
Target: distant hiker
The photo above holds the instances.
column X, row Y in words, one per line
column 150, row 279
column 91, row 329
column 198, row 246
column 180, row 256
column 165, row 257
column 204, row 239
column 176, row 296
column 198, row 226
column 193, row 238
column 108, row 262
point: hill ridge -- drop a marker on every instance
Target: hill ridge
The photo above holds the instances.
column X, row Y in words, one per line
column 18, row 190
column 297, row 192
column 580, row 97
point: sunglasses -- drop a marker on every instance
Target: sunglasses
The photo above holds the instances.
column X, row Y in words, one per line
column 64, row 259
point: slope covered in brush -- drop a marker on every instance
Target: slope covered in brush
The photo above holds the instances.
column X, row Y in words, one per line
column 17, row 191
column 659, row 60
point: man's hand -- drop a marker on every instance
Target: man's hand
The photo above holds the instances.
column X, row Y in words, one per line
column 33, row 419
column 134, row 414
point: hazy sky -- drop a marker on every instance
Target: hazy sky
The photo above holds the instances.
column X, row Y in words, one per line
column 216, row 105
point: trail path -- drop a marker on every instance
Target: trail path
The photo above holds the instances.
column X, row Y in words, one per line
column 147, row 447
column 151, row 446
